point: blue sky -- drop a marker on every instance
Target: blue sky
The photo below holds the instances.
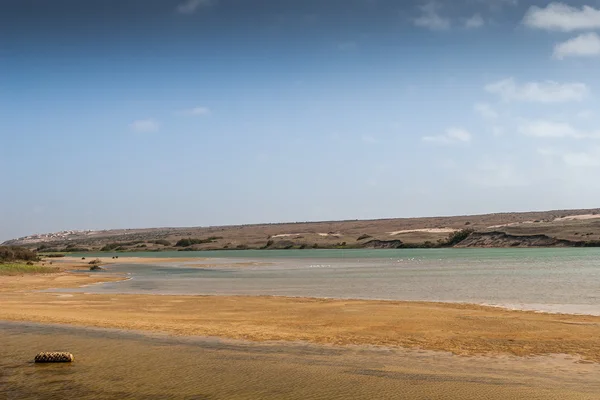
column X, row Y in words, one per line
column 131, row 113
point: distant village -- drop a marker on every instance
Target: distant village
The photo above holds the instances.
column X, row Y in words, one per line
column 48, row 237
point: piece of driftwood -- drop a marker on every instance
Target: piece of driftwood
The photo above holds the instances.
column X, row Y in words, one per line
column 54, row 357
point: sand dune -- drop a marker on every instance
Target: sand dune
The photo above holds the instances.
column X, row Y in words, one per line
column 428, row 230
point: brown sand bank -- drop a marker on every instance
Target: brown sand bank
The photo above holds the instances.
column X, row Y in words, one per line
column 461, row 329
column 82, row 263
column 31, row 282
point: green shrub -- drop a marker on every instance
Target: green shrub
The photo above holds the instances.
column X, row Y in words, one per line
column 110, row 247
column 190, row 242
column 75, row 250
column 269, row 244
column 458, row 236
column 16, row 253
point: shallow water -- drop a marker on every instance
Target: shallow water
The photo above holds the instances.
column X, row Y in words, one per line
column 111, row 364
column 554, row 280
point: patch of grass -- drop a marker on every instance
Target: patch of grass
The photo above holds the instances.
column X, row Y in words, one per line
column 22, row 268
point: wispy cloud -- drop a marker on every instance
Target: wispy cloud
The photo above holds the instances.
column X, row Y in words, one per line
column 190, row 6
column 452, row 135
column 144, row 126
column 562, row 17
column 552, row 129
column 431, row 19
column 196, row 111
column 485, row 110
column 476, row 21
column 498, row 174
column 369, row 139
column 541, row 92
column 584, row 45
column 577, row 159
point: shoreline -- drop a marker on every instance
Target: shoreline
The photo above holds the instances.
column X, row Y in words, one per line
column 574, row 309
column 459, row 328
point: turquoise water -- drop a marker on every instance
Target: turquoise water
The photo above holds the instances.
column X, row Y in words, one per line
column 555, row 280
column 540, row 253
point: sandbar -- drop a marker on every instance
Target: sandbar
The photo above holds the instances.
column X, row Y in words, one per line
column 462, row 329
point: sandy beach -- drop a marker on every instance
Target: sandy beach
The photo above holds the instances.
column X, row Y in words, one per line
column 458, row 328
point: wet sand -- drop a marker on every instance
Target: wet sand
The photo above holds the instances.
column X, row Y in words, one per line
column 126, row 365
column 284, row 348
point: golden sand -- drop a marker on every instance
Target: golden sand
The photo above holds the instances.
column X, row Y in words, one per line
column 458, row 328
column 83, row 262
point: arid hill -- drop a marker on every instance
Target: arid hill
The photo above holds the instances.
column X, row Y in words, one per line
column 547, row 229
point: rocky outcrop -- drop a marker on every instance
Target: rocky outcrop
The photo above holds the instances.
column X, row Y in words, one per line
column 502, row 239
column 383, row 244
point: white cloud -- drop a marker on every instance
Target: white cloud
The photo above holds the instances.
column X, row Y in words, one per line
column 430, row 18
column 485, row 111
column 452, row 135
column 547, row 129
column 476, row 21
column 551, row 129
column 591, row 158
column 562, row 17
column 585, row 114
column 196, row 111
column 541, row 92
column 498, row 174
column 584, row 45
column 144, row 125
column 190, row 6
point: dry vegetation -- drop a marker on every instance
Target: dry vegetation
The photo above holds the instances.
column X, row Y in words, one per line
column 515, row 229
